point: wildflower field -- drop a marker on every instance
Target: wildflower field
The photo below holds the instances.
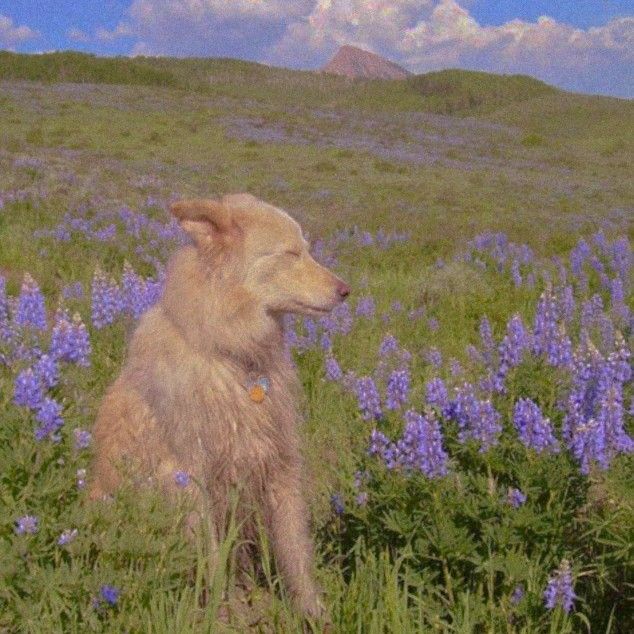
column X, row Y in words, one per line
column 468, row 411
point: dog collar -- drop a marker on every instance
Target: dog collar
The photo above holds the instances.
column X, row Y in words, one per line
column 258, row 388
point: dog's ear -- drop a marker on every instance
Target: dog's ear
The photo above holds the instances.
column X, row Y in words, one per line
column 203, row 220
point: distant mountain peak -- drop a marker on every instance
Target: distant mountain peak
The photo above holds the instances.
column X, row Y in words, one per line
column 354, row 62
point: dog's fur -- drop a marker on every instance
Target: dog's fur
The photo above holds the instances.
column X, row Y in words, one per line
column 181, row 401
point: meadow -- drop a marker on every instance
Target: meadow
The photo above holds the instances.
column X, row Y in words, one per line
column 468, row 412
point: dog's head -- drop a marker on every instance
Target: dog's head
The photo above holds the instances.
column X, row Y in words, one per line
column 260, row 248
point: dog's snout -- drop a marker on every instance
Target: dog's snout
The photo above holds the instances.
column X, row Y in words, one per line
column 343, row 289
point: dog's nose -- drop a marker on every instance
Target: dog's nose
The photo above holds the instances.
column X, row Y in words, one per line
column 343, row 289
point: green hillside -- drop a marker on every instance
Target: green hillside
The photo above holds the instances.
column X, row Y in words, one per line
column 457, row 92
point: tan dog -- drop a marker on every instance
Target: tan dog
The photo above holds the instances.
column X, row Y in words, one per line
column 186, row 398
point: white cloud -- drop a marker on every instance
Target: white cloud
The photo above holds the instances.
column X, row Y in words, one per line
column 10, row 34
column 121, row 30
column 421, row 35
column 77, row 35
column 435, row 34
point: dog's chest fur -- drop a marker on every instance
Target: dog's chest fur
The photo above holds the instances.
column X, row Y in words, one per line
column 202, row 409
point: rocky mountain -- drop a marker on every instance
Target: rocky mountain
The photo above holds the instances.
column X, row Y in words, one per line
column 354, row 62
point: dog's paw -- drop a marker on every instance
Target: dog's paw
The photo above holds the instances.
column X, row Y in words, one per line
column 312, row 607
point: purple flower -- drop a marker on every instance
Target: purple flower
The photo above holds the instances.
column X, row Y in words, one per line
column 336, row 501
column 31, row 310
column 388, row 345
column 365, row 307
column 559, row 590
column 47, row 371
column 488, row 343
column 28, row 390
column 535, row 431
column 518, row 594
column 516, row 274
column 333, row 370
column 432, row 324
column 436, row 395
column 594, row 426
column 515, row 343
column 455, row 368
column 515, row 498
column 69, row 340
column 420, row 448
column 434, row 357
column 107, row 301
column 476, row 419
column 368, row 398
column 82, row 438
column 109, row 594
column 182, row 479
column 398, row 387
column 73, row 291
column 67, row 537
column 49, row 415
column 28, row 524
column 361, row 498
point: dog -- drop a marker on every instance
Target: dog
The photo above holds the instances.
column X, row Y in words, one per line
column 208, row 387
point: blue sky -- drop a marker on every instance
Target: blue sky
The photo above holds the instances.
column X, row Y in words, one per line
column 585, row 45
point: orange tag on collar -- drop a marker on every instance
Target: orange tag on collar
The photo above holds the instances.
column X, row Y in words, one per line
column 256, row 393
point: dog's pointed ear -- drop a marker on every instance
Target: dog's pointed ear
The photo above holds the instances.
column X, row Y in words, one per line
column 202, row 219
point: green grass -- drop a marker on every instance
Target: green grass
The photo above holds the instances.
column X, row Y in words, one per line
column 545, row 167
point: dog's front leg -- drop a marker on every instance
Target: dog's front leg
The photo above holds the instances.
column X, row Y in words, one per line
column 293, row 548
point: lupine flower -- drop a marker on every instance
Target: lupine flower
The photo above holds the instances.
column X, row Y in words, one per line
column 434, row 357
column 560, row 589
column 515, row 498
column 593, row 424
column 368, row 398
column 455, row 368
column 333, row 370
column 107, row 301
column 420, row 448
column 28, row 524
column 325, row 343
column 67, row 537
column 516, row 274
column 365, row 307
column 73, row 291
column 515, row 343
column 436, row 395
column 476, row 419
column 83, row 438
column 28, row 391
column 535, row 431
column 31, row 310
column 81, row 478
column 336, row 501
column 488, row 344
column 49, row 415
column 566, row 303
column 182, row 479
column 388, row 345
column 4, row 302
column 432, row 324
column 47, row 371
column 398, row 387
column 361, row 498
column 518, row 594
column 110, row 594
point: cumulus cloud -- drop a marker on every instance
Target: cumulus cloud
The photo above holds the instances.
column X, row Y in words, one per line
column 77, row 35
column 10, row 34
column 434, row 34
column 421, row 35
column 236, row 28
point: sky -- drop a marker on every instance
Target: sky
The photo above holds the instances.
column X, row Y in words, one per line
column 580, row 45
